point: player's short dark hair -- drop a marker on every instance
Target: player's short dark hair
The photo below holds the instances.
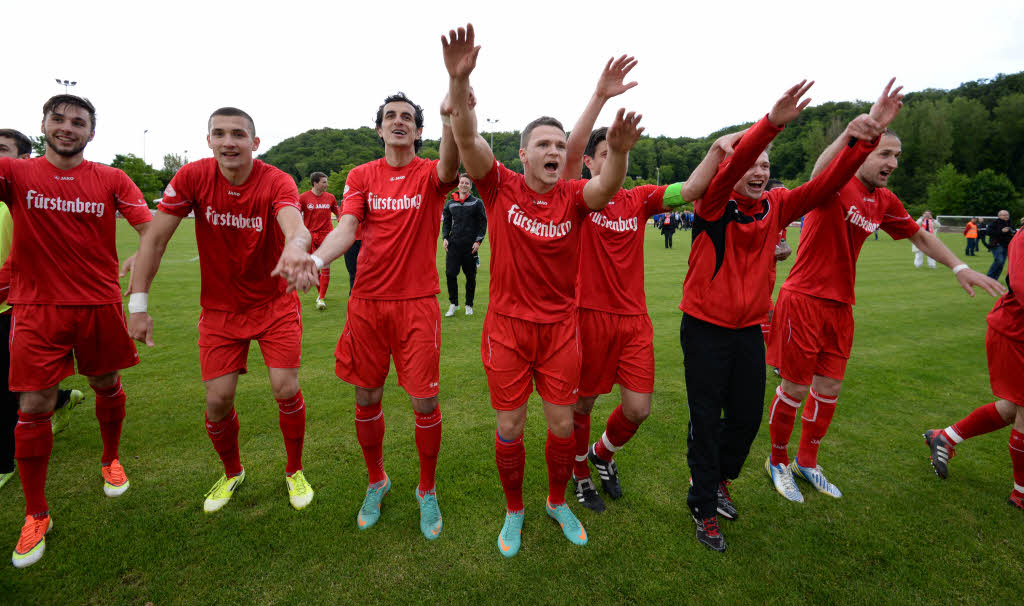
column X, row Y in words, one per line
column 56, row 101
column 233, row 111
column 542, row 121
column 417, row 115
column 596, row 137
column 23, row 143
column 316, row 177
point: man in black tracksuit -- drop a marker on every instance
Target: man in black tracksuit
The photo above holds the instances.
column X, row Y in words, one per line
column 463, row 229
column 996, row 237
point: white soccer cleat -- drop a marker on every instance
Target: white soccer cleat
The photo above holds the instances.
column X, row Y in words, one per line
column 782, row 479
column 816, row 477
column 321, row 304
column 451, row 310
column 469, row 310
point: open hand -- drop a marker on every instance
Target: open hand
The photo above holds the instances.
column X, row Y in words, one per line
column 727, row 143
column 459, row 52
column 865, row 128
column 625, row 131
column 968, row 279
column 888, row 105
column 789, row 106
column 610, row 83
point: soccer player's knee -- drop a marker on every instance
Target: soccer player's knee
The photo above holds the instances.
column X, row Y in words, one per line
column 511, row 429
column 424, row 405
column 637, row 413
column 583, row 406
column 285, row 389
column 103, row 382
column 38, row 402
column 561, row 427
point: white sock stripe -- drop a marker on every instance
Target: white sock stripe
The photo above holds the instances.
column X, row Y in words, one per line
column 814, row 417
column 291, row 412
column 953, row 435
column 607, row 443
column 771, row 411
column 1018, row 487
column 379, row 415
column 581, row 458
column 1012, row 447
column 783, row 397
column 821, row 398
column 418, row 426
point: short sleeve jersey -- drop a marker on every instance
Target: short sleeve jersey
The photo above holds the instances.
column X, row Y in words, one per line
column 239, row 240
column 1007, row 316
column 534, row 245
column 611, row 276
column 64, row 250
column 832, row 236
column 399, row 214
column 317, row 211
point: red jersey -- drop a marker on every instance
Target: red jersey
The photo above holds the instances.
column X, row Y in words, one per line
column 734, row 237
column 239, row 240
column 1007, row 316
column 832, row 236
column 611, row 275
column 399, row 213
column 534, row 245
column 64, row 250
column 317, row 211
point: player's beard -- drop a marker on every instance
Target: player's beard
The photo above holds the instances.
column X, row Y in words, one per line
column 67, row 153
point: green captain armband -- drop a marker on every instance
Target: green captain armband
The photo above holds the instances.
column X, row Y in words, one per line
column 673, row 197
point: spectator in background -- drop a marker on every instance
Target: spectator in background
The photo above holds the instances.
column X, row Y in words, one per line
column 996, row 237
column 464, row 224
column 929, row 225
column 668, row 227
column 971, row 233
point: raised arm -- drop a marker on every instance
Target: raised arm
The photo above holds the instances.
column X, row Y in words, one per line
column 147, row 260
column 295, row 264
column 701, row 177
column 623, row 134
column 883, row 110
column 608, row 85
column 460, row 55
column 448, row 166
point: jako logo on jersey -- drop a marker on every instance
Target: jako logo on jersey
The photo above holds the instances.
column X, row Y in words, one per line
column 388, row 203
column 545, row 230
column 540, row 202
column 312, row 206
column 232, row 220
column 60, row 178
column 398, row 178
column 234, row 193
column 859, row 220
column 614, row 224
column 36, row 200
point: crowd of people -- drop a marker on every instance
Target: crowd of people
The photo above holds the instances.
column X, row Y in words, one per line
column 567, row 314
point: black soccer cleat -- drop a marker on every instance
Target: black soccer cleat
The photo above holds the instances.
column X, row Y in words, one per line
column 708, row 533
column 609, row 474
column 941, row 452
column 724, row 502
column 586, row 494
column 1015, row 500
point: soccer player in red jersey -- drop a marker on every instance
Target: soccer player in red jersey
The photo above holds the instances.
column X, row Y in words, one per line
column 1004, row 343
column 248, row 228
column 318, row 206
column 66, row 304
column 530, row 332
column 812, row 327
column 736, row 229
column 396, row 203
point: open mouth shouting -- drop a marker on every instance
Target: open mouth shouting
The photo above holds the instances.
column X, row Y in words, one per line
column 551, row 167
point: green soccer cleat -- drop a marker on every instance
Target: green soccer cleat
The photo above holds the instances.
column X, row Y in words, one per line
column 430, row 515
column 571, row 526
column 222, row 491
column 300, row 493
column 32, row 542
column 62, row 415
column 369, row 513
column 511, row 537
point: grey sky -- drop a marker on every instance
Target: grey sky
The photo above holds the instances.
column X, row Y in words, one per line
column 301, row 65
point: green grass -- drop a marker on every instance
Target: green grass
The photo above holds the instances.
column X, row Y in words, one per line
column 899, row 535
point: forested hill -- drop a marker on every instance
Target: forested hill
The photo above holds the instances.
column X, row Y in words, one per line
column 963, row 150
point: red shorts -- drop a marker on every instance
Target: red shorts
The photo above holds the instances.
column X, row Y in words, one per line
column 517, row 353
column 317, row 239
column 809, row 336
column 224, row 337
column 616, row 349
column 1005, row 366
column 44, row 337
column 408, row 330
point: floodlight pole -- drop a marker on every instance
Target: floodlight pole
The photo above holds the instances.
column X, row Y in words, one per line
column 66, row 84
column 492, row 121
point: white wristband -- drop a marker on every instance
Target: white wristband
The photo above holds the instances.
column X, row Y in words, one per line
column 446, row 120
column 318, row 261
column 960, row 268
column 138, row 302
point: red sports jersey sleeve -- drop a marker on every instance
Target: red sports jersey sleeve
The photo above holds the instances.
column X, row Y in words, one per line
column 713, row 203
column 317, row 211
column 832, row 237
column 534, row 241
column 64, row 250
column 399, row 214
column 611, row 275
column 236, row 230
column 1007, row 316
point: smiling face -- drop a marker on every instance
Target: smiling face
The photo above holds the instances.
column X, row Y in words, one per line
column 68, row 129
column 398, row 125
column 465, row 187
column 544, row 155
column 232, row 142
column 752, row 183
column 880, row 163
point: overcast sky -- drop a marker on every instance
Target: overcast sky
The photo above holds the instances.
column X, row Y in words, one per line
column 299, row 65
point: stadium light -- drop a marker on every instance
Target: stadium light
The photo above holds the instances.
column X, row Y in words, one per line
column 66, row 84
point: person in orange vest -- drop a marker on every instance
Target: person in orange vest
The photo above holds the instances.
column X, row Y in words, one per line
column 971, row 233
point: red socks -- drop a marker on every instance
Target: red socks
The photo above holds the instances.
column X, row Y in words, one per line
column 1017, row 458
column 224, row 435
column 291, row 416
column 370, row 431
column 617, row 432
column 983, row 419
column 559, row 454
column 325, row 279
column 110, row 414
column 781, row 418
column 428, row 443
column 511, row 460
column 581, row 436
column 816, row 419
column 33, row 441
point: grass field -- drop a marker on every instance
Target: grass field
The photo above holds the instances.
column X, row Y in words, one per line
column 899, row 534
